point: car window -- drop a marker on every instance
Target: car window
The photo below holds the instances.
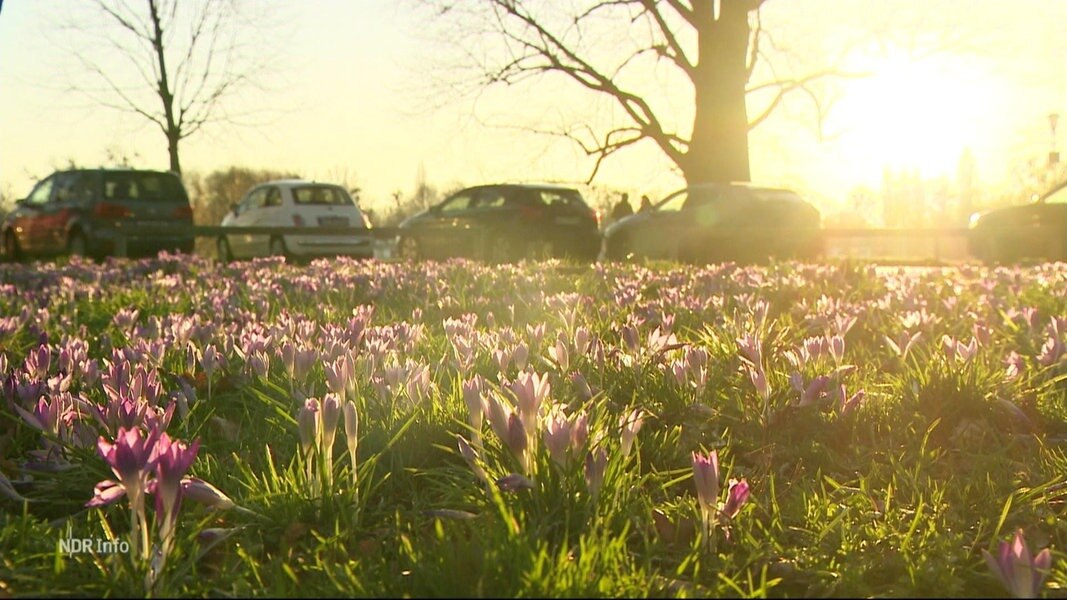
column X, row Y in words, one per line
column 673, row 203
column 699, row 198
column 562, row 198
column 321, row 195
column 42, row 193
column 457, row 203
column 255, row 199
column 1057, row 197
column 273, row 197
column 65, row 187
column 144, row 187
column 491, row 198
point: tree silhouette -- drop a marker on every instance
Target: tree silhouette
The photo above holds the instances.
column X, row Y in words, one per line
column 174, row 64
column 714, row 45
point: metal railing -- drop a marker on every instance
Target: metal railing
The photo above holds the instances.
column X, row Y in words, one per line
column 938, row 238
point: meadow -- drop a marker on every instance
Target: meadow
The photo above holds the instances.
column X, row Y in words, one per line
column 177, row 426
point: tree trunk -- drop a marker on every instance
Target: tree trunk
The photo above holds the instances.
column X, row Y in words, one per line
column 718, row 150
column 172, row 148
column 172, row 130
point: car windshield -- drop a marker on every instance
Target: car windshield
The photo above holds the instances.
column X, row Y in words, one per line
column 147, row 187
column 321, row 195
column 1057, row 197
column 674, row 202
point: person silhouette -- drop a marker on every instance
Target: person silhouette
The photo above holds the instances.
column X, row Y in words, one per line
column 646, row 204
column 622, row 208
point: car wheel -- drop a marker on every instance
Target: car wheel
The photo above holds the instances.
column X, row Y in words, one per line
column 277, row 247
column 76, row 245
column 11, row 247
column 408, row 249
column 225, row 253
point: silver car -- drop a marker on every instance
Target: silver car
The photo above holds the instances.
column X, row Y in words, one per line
column 715, row 223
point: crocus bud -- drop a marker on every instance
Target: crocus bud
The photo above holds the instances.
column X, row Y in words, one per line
column 630, row 424
column 308, row 424
column 472, row 397
column 204, row 493
column 706, row 478
column 514, row 482
column 331, row 414
column 596, row 463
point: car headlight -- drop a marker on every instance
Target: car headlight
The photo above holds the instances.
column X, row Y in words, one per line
column 975, row 218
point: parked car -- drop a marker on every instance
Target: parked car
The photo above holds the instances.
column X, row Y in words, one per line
column 718, row 222
column 1034, row 230
column 296, row 203
column 79, row 211
column 503, row 223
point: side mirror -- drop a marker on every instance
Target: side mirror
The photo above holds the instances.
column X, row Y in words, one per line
column 21, row 201
column 234, row 208
column 435, row 210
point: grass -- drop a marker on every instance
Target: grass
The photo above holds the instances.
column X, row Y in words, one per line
column 945, row 455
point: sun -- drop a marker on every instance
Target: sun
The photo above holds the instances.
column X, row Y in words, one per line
column 916, row 113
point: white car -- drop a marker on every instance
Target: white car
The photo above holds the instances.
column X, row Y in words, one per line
column 295, row 203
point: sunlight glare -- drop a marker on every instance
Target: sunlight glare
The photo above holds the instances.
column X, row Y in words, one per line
column 917, row 114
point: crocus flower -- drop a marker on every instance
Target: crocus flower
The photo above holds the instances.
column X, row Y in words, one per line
column 472, row 397
column 351, row 435
column 173, row 459
column 514, row 482
column 837, row 348
column 202, row 492
column 706, row 478
column 736, row 496
column 558, row 353
column 596, row 464
column 750, row 349
column 337, row 376
column 631, row 424
column 848, row 404
column 557, row 437
column 1021, row 573
column 132, row 458
column 331, row 415
column 308, row 425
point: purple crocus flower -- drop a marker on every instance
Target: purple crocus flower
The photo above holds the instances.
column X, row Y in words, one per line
column 132, row 458
column 736, row 496
column 596, row 464
column 1021, row 573
column 173, row 459
column 202, row 492
column 514, row 482
column 706, row 478
column 631, row 424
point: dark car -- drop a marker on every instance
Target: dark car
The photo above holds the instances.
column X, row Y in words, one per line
column 503, row 223
column 718, row 222
column 78, row 211
column 1034, row 230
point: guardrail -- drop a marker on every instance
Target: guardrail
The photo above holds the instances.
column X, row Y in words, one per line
column 937, row 235
column 121, row 235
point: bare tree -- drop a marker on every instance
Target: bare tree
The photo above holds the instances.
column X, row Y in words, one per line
column 713, row 45
column 174, row 64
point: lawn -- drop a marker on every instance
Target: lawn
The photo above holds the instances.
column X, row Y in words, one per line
column 175, row 426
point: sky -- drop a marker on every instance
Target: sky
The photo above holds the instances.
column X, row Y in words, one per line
column 348, row 97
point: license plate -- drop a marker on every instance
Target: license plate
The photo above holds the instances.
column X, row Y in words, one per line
column 568, row 220
column 333, row 221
